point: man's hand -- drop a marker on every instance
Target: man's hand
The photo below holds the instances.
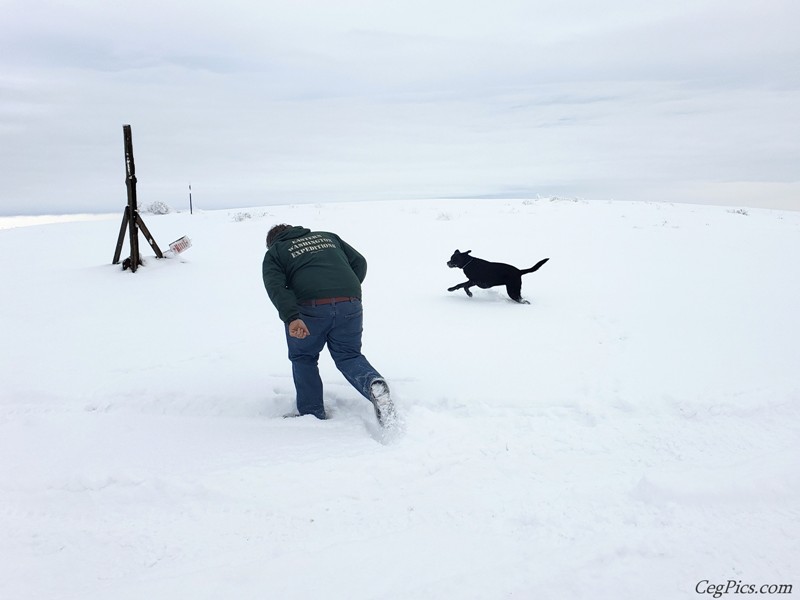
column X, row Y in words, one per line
column 298, row 329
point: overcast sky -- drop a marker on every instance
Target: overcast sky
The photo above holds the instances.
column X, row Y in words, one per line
column 266, row 102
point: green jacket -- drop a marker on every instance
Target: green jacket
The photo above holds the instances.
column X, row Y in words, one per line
column 305, row 265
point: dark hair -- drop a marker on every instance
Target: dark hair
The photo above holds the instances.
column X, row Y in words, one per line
column 273, row 233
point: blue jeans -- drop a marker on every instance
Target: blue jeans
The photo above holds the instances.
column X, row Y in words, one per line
column 339, row 325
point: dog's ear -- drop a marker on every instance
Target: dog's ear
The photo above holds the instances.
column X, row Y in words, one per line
column 468, row 251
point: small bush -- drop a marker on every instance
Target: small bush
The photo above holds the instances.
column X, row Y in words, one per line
column 158, row 208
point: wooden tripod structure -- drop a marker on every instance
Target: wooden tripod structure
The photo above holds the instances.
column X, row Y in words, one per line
column 131, row 218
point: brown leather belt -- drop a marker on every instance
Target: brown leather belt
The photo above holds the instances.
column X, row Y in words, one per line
column 328, row 300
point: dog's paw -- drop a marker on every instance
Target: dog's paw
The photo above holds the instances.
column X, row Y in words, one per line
column 452, row 289
column 468, row 293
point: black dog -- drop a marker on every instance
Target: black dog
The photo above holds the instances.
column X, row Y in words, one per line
column 487, row 274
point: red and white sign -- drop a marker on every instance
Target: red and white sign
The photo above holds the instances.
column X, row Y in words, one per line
column 180, row 245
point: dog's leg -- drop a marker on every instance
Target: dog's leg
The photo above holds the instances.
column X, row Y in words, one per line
column 466, row 285
column 514, row 290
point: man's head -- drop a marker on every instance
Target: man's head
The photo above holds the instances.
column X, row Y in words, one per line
column 273, row 233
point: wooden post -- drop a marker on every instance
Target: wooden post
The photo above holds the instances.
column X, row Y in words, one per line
column 133, row 206
column 131, row 216
column 121, row 238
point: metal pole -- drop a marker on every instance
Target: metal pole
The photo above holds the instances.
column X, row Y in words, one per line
column 190, row 198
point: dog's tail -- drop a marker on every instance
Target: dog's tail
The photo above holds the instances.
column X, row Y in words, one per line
column 534, row 267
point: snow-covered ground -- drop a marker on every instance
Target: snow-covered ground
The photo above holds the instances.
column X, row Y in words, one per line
column 632, row 433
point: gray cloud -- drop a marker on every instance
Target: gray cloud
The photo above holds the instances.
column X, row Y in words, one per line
column 270, row 102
